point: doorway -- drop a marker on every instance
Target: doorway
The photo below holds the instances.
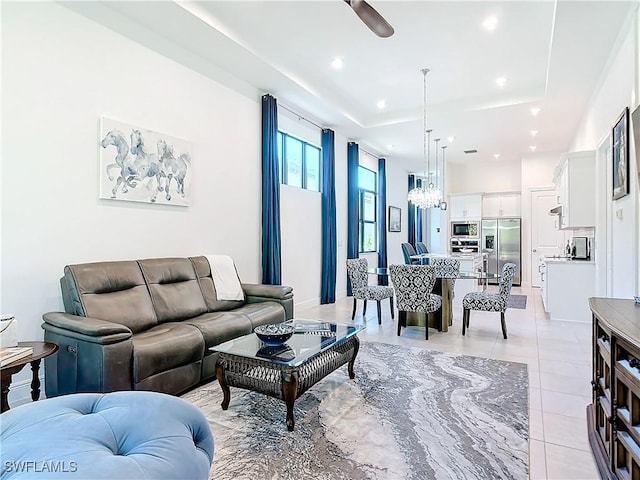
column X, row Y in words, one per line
column 546, row 239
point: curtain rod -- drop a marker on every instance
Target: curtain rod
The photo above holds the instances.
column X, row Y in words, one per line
column 377, row 157
column 301, row 117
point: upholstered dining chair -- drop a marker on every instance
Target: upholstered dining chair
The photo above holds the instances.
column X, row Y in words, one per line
column 361, row 290
column 421, row 248
column 490, row 302
column 407, row 251
column 413, row 285
column 447, row 268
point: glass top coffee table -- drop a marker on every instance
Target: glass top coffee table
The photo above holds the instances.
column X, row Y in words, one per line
column 288, row 370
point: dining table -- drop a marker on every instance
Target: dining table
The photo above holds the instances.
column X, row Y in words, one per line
column 443, row 318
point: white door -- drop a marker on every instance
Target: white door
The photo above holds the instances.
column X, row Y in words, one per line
column 546, row 239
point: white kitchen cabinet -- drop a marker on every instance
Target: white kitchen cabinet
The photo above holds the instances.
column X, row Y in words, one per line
column 542, row 268
column 567, row 286
column 575, row 181
column 496, row 205
column 465, row 207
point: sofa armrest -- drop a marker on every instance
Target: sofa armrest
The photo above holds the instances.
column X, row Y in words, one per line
column 87, row 329
column 271, row 292
column 93, row 356
column 282, row 294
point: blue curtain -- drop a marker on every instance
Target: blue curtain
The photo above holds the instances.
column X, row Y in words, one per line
column 411, row 210
column 382, row 220
column 418, row 217
column 353, row 219
column 271, row 253
column 328, row 286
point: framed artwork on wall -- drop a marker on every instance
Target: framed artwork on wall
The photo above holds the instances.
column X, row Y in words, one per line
column 395, row 219
column 620, row 150
column 140, row 165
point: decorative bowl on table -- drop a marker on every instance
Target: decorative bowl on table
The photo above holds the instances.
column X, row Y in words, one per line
column 275, row 334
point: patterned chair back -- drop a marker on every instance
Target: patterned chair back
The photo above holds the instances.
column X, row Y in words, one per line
column 413, row 285
column 446, row 268
column 357, row 271
column 421, row 247
column 506, row 280
column 407, row 251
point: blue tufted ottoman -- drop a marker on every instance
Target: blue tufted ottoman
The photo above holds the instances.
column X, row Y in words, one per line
column 120, row 435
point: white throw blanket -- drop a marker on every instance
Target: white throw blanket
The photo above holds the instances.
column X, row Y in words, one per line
column 225, row 277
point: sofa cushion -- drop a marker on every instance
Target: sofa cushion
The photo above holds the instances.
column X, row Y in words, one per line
column 165, row 346
column 113, row 291
column 263, row 313
column 203, row 272
column 219, row 327
column 174, row 288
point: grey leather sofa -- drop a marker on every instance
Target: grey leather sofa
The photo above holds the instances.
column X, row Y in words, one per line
column 148, row 325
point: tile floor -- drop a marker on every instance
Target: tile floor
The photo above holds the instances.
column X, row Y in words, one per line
column 558, row 355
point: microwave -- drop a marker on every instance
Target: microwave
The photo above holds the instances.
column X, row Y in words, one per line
column 465, row 229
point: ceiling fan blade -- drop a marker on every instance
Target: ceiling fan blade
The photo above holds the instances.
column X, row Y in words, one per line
column 371, row 18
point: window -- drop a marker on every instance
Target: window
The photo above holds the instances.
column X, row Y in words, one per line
column 299, row 162
column 367, row 206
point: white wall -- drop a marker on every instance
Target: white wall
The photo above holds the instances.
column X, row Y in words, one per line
column 397, row 181
column 618, row 89
column 301, row 227
column 483, row 176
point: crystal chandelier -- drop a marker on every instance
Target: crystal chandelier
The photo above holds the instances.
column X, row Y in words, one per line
column 430, row 196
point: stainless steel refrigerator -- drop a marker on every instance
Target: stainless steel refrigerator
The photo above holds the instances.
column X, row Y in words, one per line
column 502, row 240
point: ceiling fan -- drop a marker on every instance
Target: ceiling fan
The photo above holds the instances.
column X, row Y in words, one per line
column 371, row 18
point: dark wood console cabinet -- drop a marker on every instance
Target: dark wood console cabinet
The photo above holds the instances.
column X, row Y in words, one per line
column 614, row 416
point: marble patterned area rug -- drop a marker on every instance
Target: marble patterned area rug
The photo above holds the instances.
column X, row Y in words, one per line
column 517, row 301
column 409, row 414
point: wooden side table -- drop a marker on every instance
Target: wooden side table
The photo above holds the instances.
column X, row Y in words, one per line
column 40, row 351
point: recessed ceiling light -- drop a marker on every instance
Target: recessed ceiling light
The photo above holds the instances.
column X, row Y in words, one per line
column 534, row 133
column 496, row 155
column 451, row 139
column 337, row 63
column 532, row 148
column 381, row 104
column 501, row 81
column 490, row 23
column 391, row 146
column 535, row 111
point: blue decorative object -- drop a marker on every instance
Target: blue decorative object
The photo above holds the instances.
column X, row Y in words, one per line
column 382, row 220
column 328, row 284
column 120, row 435
column 275, row 334
column 353, row 214
column 271, row 235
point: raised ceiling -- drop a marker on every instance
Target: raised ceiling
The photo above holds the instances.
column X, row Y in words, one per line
column 552, row 55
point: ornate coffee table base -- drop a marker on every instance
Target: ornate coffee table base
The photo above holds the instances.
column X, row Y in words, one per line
column 282, row 381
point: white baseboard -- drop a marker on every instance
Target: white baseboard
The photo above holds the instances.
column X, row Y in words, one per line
column 307, row 303
column 20, row 392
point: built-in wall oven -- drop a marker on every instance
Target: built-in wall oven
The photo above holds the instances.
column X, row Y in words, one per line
column 465, row 229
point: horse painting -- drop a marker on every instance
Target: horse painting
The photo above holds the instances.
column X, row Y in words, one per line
column 132, row 158
column 125, row 177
